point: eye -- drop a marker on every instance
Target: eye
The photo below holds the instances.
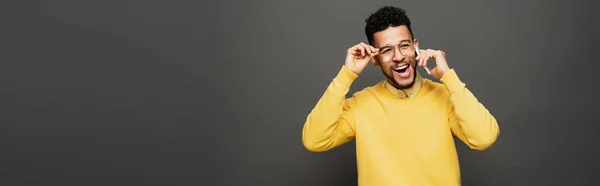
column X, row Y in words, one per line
column 404, row 46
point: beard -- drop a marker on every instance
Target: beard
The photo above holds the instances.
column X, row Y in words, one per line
column 392, row 81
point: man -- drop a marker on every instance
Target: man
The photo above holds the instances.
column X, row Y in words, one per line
column 404, row 125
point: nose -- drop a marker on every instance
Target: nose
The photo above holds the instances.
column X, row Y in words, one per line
column 398, row 56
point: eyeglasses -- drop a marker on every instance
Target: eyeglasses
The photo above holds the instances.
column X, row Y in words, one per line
column 389, row 51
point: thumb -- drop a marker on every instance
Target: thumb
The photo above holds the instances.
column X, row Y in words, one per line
column 372, row 55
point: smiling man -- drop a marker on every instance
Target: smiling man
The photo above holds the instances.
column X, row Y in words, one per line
column 404, row 125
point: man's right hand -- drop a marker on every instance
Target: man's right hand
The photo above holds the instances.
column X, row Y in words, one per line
column 358, row 57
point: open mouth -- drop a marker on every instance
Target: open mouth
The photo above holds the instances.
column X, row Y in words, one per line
column 401, row 68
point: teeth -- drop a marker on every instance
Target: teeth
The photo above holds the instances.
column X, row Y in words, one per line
column 401, row 67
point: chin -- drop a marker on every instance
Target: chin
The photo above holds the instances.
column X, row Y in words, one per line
column 401, row 81
column 405, row 83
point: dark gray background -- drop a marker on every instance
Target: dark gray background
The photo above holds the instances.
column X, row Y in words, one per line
column 216, row 93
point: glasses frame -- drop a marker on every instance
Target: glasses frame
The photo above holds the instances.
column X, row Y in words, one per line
column 407, row 46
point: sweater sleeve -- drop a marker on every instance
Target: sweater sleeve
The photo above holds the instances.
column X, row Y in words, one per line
column 330, row 123
column 469, row 120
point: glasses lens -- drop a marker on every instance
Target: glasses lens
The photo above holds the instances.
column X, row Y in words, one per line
column 406, row 49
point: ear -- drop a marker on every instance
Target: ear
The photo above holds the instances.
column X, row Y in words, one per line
column 374, row 61
column 416, row 46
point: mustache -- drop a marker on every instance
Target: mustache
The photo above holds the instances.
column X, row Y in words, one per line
column 403, row 62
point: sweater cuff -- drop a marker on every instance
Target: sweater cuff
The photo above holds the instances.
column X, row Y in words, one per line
column 452, row 82
column 345, row 76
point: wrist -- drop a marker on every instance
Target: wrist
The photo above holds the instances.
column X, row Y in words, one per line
column 452, row 82
column 353, row 70
column 444, row 70
column 346, row 76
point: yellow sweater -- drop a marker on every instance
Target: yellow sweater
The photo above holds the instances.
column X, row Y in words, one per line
column 401, row 141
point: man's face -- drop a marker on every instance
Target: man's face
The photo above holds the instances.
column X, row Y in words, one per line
column 396, row 55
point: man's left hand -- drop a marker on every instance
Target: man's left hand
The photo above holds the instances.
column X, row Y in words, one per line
column 441, row 65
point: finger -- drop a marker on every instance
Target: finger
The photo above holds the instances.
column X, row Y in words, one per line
column 436, row 53
column 427, row 69
column 373, row 49
column 426, row 58
column 367, row 48
column 418, row 58
column 421, row 57
column 376, row 50
column 421, row 52
column 373, row 54
column 358, row 51
column 361, row 48
column 363, row 51
column 354, row 51
column 439, row 53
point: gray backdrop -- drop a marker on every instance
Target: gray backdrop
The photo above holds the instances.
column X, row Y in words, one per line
column 216, row 93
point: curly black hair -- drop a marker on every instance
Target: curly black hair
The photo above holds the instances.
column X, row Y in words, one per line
column 385, row 17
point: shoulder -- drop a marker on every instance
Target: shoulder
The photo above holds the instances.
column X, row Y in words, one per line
column 366, row 95
column 435, row 89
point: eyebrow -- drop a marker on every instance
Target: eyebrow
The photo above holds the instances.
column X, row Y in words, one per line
column 388, row 45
